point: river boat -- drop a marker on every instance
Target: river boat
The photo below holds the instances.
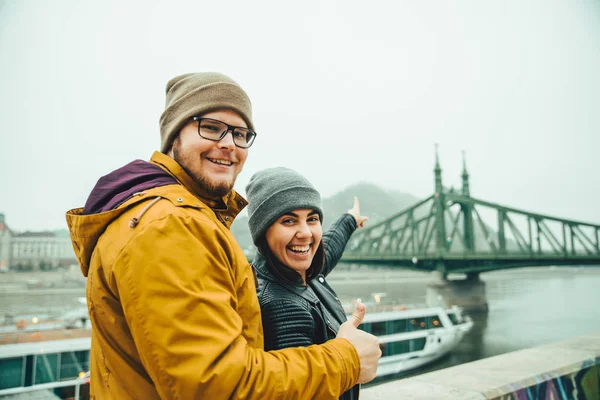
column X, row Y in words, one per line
column 411, row 338
column 46, row 369
column 55, row 363
column 46, row 358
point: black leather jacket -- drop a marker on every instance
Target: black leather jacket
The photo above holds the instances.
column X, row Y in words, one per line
column 296, row 315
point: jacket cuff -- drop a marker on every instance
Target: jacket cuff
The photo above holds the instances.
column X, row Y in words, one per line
column 349, row 361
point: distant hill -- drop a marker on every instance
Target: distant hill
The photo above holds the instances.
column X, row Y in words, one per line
column 376, row 203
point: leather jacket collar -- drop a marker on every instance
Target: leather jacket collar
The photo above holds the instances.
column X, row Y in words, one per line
column 294, row 284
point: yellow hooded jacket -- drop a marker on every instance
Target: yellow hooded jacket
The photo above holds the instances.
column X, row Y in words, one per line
column 172, row 298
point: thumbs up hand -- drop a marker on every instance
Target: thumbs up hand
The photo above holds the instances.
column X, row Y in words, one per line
column 366, row 345
column 358, row 315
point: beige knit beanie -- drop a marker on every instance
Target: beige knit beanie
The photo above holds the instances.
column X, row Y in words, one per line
column 192, row 95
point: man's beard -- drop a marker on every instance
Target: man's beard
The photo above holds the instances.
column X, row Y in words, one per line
column 214, row 189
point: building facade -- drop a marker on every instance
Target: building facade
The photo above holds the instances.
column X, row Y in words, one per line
column 5, row 242
column 31, row 251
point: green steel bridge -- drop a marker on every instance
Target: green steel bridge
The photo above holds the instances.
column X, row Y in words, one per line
column 452, row 232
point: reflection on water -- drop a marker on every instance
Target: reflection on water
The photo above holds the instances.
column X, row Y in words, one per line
column 527, row 307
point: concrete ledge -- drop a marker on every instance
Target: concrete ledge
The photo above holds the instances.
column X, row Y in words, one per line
column 501, row 375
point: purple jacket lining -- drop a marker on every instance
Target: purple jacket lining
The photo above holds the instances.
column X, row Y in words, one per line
column 117, row 187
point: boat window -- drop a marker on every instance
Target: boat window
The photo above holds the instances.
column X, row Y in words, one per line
column 72, row 363
column 398, row 326
column 378, row 328
column 417, row 324
column 453, row 318
column 417, row 344
column 365, row 327
column 403, row 346
column 12, row 372
column 394, row 348
column 29, row 359
column 46, row 368
column 433, row 322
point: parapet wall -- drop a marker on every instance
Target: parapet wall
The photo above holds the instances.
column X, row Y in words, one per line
column 565, row 370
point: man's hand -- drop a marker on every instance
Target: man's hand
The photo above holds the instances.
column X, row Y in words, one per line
column 366, row 345
column 355, row 212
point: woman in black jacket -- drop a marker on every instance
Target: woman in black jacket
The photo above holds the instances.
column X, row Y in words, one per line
column 298, row 307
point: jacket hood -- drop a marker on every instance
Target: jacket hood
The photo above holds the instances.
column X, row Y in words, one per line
column 114, row 189
column 116, row 192
column 101, row 208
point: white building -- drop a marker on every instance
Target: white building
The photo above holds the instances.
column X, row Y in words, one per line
column 34, row 250
column 5, row 241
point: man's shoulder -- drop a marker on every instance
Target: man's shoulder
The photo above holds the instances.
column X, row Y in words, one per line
column 165, row 215
column 171, row 200
column 178, row 197
column 161, row 209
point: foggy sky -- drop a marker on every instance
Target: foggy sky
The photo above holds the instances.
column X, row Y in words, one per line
column 342, row 91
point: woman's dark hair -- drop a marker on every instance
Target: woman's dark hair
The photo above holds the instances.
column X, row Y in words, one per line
column 285, row 273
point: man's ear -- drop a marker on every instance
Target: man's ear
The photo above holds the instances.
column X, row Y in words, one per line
column 173, row 144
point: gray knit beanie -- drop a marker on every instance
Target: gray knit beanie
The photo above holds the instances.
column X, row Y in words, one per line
column 273, row 192
column 192, row 95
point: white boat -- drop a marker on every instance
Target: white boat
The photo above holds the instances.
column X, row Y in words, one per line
column 57, row 368
column 48, row 369
column 411, row 338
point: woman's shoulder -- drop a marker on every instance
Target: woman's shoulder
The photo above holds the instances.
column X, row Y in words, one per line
column 283, row 312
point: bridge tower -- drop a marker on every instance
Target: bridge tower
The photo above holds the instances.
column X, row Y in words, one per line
column 439, row 206
column 470, row 292
column 467, row 210
column 465, row 177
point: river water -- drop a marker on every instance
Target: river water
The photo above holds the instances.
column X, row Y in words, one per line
column 527, row 307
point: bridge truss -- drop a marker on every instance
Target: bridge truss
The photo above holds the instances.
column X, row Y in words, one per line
column 455, row 233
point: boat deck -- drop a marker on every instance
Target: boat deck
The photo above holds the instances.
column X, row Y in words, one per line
column 43, row 335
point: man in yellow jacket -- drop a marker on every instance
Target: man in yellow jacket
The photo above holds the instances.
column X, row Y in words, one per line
column 171, row 296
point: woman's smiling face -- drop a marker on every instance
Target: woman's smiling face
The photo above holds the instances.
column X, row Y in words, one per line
column 294, row 239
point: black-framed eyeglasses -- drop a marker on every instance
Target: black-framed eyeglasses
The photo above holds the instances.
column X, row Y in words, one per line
column 216, row 130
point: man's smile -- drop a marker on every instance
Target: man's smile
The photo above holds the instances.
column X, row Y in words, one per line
column 220, row 162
